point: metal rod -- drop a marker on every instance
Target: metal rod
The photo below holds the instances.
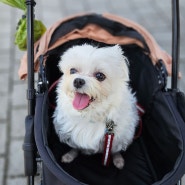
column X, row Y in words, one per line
column 179, row 182
column 175, row 43
column 30, row 180
column 30, row 69
column 30, row 54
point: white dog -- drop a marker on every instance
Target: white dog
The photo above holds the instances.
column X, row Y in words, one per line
column 92, row 93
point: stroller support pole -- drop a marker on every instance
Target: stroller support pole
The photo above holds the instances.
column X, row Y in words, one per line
column 175, row 42
column 29, row 146
column 30, row 53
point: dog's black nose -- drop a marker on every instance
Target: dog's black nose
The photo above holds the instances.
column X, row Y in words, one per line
column 78, row 83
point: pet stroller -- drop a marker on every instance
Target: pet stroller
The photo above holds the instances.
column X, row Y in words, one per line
column 156, row 156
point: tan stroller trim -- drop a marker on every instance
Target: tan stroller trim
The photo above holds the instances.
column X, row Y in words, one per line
column 97, row 33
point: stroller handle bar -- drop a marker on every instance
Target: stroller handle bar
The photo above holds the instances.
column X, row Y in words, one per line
column 175, row 43
column 30, row 52
column 29, row 146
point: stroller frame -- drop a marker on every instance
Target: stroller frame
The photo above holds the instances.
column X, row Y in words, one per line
column 29, row 146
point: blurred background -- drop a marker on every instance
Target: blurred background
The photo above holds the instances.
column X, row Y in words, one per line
column 154, row 15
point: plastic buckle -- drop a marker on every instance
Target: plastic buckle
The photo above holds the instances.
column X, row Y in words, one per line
column 42, row 80
column 162, row 74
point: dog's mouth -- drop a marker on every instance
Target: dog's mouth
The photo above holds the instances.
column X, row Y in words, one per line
column 81, row 101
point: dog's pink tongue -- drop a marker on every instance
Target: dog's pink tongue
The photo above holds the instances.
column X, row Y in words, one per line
column 81, row 101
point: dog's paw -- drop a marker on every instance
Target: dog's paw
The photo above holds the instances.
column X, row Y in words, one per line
column 67, row 158
column 118, row 161
column 70, row 156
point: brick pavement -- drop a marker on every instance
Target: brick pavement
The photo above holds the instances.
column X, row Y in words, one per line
column 153, row 15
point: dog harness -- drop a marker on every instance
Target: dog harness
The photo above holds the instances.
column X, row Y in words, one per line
column 109, row 135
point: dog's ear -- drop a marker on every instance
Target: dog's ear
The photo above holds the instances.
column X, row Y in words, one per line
column 60, row 65
column 123, row 61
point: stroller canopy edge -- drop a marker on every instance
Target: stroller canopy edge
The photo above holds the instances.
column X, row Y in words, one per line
column 42, row 46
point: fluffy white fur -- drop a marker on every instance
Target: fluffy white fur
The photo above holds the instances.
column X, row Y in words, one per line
column 112, row 100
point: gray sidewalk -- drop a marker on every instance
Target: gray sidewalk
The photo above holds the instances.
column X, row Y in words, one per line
column 155, row 16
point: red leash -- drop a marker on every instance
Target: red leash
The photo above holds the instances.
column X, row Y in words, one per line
column 141, row 112
column 54, row 84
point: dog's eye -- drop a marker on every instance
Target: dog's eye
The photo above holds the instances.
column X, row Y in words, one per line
column 100, row 76
column 73, row 71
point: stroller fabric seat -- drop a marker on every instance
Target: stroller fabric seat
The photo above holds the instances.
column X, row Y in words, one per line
column 156, row 157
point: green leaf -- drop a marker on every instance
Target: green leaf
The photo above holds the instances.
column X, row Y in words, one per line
column 15, row 3
column 21, row 34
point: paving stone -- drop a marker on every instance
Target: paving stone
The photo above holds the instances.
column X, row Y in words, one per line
column 6, row 41
column 2, row 161
column 4, row 80
column 16, row 181
column 4, row 106
column 183, row 180
column 18, row 119
column 21, row 181
column 4, row 60
column 3, row 131
column 18, row 54
column 5, row 9
column 16, row 159
column 16, row 78
column 19, row 94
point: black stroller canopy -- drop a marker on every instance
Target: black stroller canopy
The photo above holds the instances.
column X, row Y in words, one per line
column 157, row 156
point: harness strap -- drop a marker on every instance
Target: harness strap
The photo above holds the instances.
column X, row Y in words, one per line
column 52, row 87
column 107, row 148
column 141, row 112
column 109, row 135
